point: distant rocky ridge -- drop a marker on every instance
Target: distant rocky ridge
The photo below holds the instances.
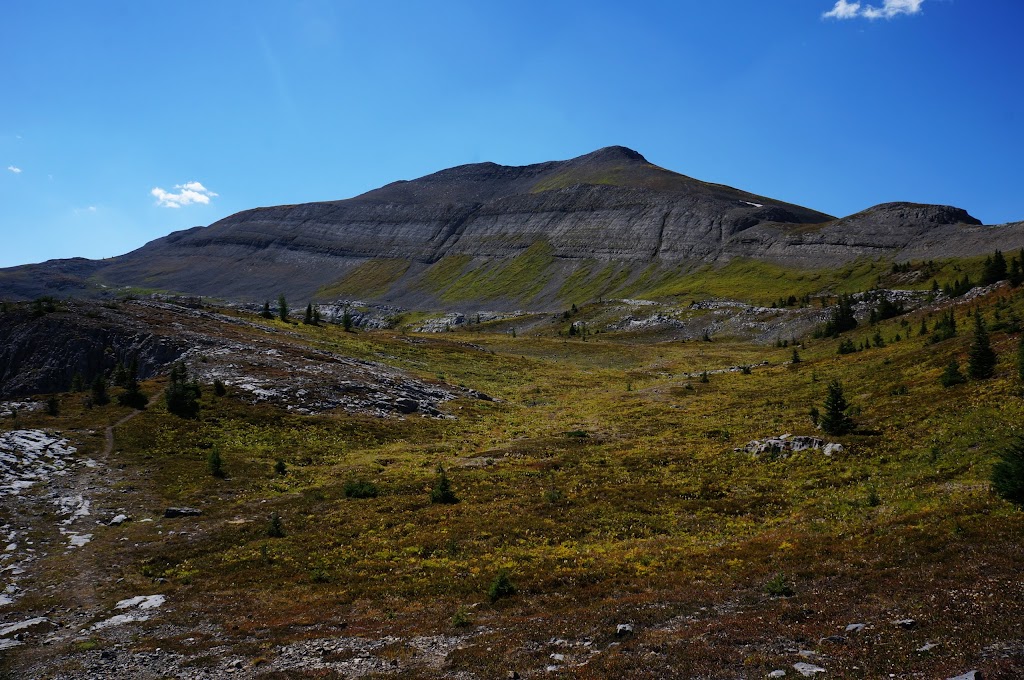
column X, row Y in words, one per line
column 509, row 236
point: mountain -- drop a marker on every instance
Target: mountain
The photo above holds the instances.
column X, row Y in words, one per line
column 509, row 236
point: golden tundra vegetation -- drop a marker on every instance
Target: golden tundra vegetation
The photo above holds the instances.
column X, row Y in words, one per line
column 603, row 485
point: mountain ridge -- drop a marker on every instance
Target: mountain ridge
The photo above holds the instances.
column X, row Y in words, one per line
column 546, row 222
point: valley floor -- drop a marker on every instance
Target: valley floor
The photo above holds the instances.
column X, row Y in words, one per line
column 610, row 521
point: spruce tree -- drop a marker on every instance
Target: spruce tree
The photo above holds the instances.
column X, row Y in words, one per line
column 981, row 360
column 308, row 318
column 132, row 395
column 995, row 269
column 834, row 418
column 182, row 396
column 266, row 313
column 442, row 491
column 99, row 391
column 216, row 464
column 1008, row 473
column 282, row 308
column 952, row 375
column 347, row 321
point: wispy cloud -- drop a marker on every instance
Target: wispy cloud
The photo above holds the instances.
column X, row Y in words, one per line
column 888, row 10
column 85, row 211
column 16, row 171
column 188, row 193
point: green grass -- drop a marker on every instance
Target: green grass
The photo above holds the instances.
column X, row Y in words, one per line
column 369, row 279
column 520, row 278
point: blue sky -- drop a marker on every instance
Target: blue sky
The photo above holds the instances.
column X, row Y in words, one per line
column 123, row 121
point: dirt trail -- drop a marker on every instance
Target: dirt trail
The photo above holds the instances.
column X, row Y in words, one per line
column 108, row 445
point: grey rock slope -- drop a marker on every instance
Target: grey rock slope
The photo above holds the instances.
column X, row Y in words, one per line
column 508, row 236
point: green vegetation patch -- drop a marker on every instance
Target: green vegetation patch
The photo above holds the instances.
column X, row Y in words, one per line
column 370, row 279
column 519, row 278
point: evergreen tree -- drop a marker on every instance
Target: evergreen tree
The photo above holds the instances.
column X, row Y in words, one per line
column 1008, row 473
column 182, row 396
column 282, row 308
column 275, row 529
column 347, row 320
column 981, row 359
column 842, row 318
column 120, row 375
column 266, row 313
column 132, row 395
column 53, row 406
column 835, row 418
column 952, row 375
column 442, row 491
column 796, row 356
column 77, row 384
column 995, row 269
column 308, row 318
column 99, row 391
column 216, row 464
column 1016, row 275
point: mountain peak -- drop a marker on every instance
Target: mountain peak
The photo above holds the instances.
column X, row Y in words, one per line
column 613, row 154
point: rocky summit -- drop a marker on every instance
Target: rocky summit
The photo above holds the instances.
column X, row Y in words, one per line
column 525, row 237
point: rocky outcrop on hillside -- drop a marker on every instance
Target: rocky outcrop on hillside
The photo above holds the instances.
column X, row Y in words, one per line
column 609, row 207
column 43, row 353
column 257, row 362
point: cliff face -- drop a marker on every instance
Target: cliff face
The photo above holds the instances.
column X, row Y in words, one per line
column 41, row 354
column 410, row 241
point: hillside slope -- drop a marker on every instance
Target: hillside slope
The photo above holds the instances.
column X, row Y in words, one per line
column 509, row 237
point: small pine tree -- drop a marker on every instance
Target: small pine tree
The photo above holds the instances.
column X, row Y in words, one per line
column 796, row 356
column 218, row 387
column 347, row 320
column 120, row 375
column 282, row 308
column 952, row 375
column 99, row 391
column 1016, row 275
column 280, row 468
column 1008, row 473
column 182, row 396
column 275, row 529
column 501, row 587
column 216, row 464
column 308, row 318
column 266, row 313
column 77, row 384
column 835, row 419
column 704, row 377
column 53, row 406
column 981, row 359
column 442, row 491
column 132, row 395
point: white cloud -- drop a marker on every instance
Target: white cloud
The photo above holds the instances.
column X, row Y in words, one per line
column 188, row 193
column 16, row 171
column 82, row 211
column 888, row 10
